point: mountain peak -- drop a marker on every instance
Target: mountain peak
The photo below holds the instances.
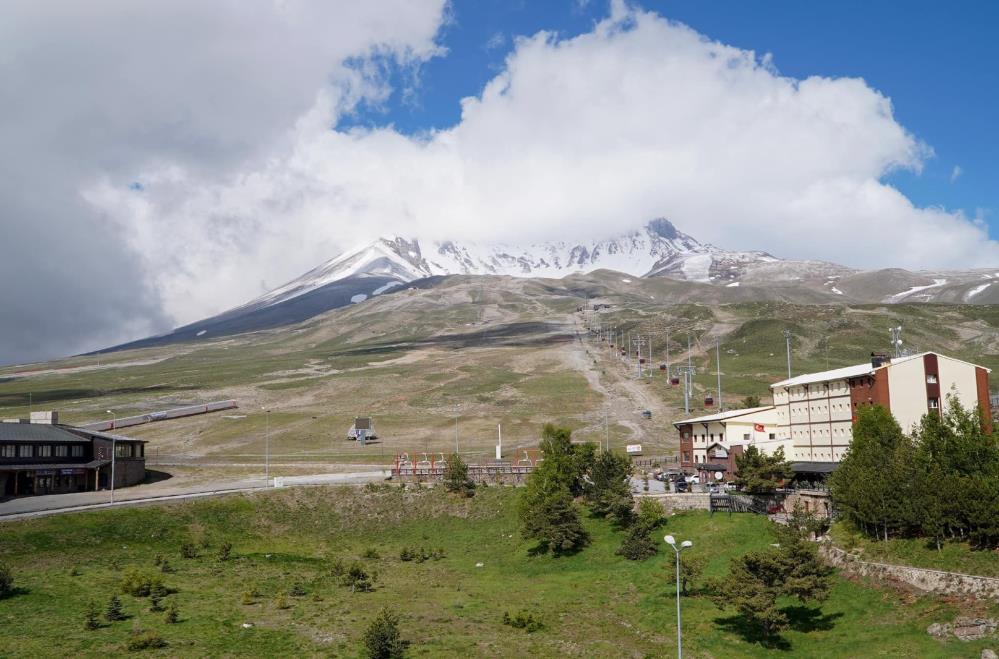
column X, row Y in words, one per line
column 663, row 228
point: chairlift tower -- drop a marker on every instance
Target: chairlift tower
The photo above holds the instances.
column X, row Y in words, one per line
column 639, row 342
column 687, row 373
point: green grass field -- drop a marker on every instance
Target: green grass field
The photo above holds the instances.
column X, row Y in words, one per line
column 594, row 604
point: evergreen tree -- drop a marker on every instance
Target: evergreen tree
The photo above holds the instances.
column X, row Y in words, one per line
column 6, row 580
column 114, row 610
column 751, row 401
column 91, row 621
column 759, row 473
column 456, row 476
column 549, row 516
column 608, row 491
column 382, row 639
column 639, row 543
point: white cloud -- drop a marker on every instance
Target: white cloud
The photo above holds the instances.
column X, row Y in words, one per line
column 577, row 137
column 184, row 90
column 956, row 173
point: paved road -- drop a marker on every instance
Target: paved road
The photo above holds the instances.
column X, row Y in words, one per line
column 145, row 494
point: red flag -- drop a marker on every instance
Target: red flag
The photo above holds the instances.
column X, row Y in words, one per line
column 759, row 427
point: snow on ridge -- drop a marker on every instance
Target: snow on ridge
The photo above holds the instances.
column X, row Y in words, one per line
column 915, row 289
column 976, row 290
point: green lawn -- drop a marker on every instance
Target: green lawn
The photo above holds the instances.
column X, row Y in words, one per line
column 594, row 604
column 953, row 556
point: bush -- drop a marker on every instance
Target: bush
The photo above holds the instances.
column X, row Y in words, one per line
column 225, row 551
column 456, row 478
column 6, row 581
column 114, row 610
column 188, row 550
column 298, row 589
column 282, row 602
column 250, row 596
column 155, row 603
column 382, row 639
column 172, row 617
column 166, row 568
column 422, row 554
column 371, row 553
column 140, row 584
column 146, row 640
column 523, row 620
column 638, row 545
column 357, row 579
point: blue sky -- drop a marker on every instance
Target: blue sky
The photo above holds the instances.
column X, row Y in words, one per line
column 936, row 61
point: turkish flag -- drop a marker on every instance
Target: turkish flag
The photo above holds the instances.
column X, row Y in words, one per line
column 759, row 427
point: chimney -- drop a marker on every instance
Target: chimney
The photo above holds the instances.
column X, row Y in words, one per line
column 879, row 359
column 45, row 418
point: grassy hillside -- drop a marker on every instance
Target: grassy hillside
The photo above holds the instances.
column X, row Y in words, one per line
column 490, row 351
column 594, row 604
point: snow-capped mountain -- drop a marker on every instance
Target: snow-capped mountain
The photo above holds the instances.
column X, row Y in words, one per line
column 658, row 249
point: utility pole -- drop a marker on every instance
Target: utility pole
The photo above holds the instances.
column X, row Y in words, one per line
column 456, row 433
column 606, row 430
column 667, row 353
column 787, row 338
column 721, row 407
column 114, row 450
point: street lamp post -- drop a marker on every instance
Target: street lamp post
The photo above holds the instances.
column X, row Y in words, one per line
column 686, row 544
column 114, row 451
column 267, row 447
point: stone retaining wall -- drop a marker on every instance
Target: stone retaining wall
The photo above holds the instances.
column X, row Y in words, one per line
column 673, row 502
column 932, row 581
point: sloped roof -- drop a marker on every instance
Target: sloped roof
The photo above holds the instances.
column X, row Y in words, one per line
column 723, row 416
column 860, row 369
column 37, row 432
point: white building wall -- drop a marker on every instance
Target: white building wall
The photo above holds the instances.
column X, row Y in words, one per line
column 907, row 392
column 958, row 379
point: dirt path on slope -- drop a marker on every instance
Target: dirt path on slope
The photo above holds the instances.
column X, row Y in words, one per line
column 625, row 397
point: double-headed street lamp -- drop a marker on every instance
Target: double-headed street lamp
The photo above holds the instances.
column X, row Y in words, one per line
column 267, row 447
column 686, row 544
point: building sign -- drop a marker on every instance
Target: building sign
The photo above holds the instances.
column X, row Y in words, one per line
column 759, row 427
column 633, row 449
column 44, row 472
column 72, row 472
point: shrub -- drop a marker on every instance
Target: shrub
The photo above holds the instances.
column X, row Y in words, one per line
column 140, row 584
column 282, row 602
column 407, row 554
column 166, row 568
column 145, row 640
column 298, row 589
column 250, row 596
column 337, row 568
column 90, row 620
column 357, row 579
column 6, row 581
column 74, row 571
column 188, row 550
column 114, row 610
column 523, row 620
column 172, row 617
column 456, row 478
column 382, row 639
column 155, row 603
column 225, row 551
column 371, row 553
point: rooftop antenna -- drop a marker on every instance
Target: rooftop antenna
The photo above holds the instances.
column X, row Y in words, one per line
column 896, row 341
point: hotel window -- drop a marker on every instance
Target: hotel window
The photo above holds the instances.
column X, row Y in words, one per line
column 61, row 450
column 76, row 451
column 931, row 379
column 44, row 451
column 24, row 450
column 773, row 435
column 123, row 451
column 7, row 451
column 745, row 435
column 933, row 403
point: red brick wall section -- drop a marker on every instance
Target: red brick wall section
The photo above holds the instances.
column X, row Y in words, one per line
column 931, row 367
column 982, row 382
column 686, row 446
column 879, row 392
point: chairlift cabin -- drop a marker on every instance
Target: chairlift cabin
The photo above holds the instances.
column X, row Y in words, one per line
column 641, row 360
column 624, row 353
column 662, row 367
column 674, row 380
column 709, row 401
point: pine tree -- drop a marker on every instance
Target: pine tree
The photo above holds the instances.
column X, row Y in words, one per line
column 456, row 476
column 608, row 490
column 114, row 610
column 759, row 473
column 91, row 621
column 382, row 639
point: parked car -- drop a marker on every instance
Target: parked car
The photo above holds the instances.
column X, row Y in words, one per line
column 681, row 486
column 714, row 489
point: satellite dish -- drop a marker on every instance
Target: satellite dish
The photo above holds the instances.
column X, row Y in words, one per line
column 719, row 475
